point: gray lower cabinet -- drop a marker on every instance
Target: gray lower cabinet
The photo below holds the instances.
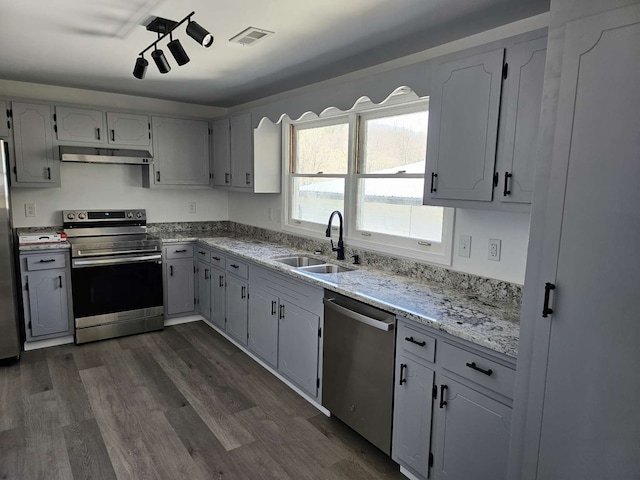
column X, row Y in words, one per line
column 218, row 298
column 203, row 275
column 46, row 295
column 263, row 326
column 237, row 308
column 180, row 291
column 472, row 434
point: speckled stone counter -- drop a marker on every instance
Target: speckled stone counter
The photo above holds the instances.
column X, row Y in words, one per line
column 44, row 247
column 489, row 323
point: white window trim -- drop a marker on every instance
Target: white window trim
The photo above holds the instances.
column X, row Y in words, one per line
column 375, row 242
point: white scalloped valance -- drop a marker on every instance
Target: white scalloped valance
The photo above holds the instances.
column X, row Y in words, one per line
column 377, row 87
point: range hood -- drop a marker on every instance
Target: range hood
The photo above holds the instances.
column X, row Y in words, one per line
column 105, row 155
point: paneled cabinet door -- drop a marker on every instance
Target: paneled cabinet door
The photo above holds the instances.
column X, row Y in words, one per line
column 412, row 415
column 298, row 345
column 128, row 129
column 263, row 326
column 221, row 153
column 463, row 128
column 180, row 288
column 4, row 120
column 218, row 298
column 47, row 302
column 242, row 151
column 521, row 112
column 473, row 433
column 203, row 272
column 237, row 307
column 80, row 125
column 180, row 151
column 33, row 143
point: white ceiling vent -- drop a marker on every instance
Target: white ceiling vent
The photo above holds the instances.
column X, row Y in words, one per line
column 250, row 36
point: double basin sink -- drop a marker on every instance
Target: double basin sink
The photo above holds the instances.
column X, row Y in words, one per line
column 312, row 265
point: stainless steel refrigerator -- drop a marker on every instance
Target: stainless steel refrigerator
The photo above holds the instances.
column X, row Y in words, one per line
column 9, row 332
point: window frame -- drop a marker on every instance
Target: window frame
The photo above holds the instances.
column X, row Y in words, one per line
column 434, row 252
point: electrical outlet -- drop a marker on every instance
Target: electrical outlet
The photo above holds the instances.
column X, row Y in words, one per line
column 192, row 207
column 464, row 246
column 270, row 214
column 495, row 246
column 29, row 209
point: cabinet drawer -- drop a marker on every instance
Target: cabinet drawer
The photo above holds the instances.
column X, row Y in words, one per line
column 45, row 262
column 179, row 251
column 203, row 254
column 238, row 268
column 218, row 259
column 415, row 342
column 478, row 369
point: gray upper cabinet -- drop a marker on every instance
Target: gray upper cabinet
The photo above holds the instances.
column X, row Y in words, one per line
column 472, row 434
column 521, row 113
column 221, row 153
column 241, row 151
column 237, row 308
column 463, row 128
column 181, row 152
column 128, row 129
column 35, row 163
column 179, row 286
column 4, row 120
column 80, row 125
column 263, row 326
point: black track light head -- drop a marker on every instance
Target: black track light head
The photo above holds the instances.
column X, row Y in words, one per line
column 175, row 47
column 161, row 61
column 199, row 34
column 141, row 68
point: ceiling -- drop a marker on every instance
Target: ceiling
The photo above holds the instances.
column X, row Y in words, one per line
column 93, row 44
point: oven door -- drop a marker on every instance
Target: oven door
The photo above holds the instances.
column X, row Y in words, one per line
column 118, row 288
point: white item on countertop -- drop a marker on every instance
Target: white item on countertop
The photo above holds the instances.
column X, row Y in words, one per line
column 41, row 237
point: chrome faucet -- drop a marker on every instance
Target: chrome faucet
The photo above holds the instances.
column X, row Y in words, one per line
column 340, row 248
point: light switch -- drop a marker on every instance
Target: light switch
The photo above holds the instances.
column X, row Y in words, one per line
column 464, row 246
column 29, row 209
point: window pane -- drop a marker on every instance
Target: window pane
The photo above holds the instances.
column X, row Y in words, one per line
column 313, row 199
column 393, row 206
column 395, row 143
column 322, row 149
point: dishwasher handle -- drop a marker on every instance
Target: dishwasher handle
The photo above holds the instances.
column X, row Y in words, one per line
column 372, row 322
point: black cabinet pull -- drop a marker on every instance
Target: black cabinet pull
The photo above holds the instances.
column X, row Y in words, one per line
column 281, row 315
column 157, row 176
column 180, row 251
column 221, row 283
column 273, row 307
column 217, row 259
column 49, row 260
column 201, row 252
column 434, row 175
column 547, row 293
column 243, row 292
column 246, row 179
column 402, row 367
column 443, row 402
column 411, row 339
column 48, row 173
column 60, row 281
column 506, row 190
column 226, row 178
column 97, row 133
column 171, row 270
column 478, row 369
column 234, row 265
column 206, row 274
column 113, row 135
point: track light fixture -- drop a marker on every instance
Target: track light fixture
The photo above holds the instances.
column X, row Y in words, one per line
column 165, row 27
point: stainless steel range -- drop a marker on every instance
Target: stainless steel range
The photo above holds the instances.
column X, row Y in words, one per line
column 116, row 273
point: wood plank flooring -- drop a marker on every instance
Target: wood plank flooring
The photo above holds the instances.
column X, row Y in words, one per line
column 183, row 403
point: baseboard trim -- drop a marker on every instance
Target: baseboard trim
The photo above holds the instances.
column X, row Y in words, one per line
column 179, row 320
column 50, row 342
column 408, row 474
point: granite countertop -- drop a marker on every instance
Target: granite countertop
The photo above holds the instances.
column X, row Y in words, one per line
column 488, row 323
column 44, row 246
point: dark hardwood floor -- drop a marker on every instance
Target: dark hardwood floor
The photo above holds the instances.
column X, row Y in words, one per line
column 183, row 403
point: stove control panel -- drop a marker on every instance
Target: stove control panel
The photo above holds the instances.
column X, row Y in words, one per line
column 103, row 216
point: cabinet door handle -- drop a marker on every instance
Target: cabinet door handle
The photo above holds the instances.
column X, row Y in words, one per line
column 234, row 265
column 171, row 270
column 478, row 369
column 411, row 339
column 206, row 274
column 60, row 281
column 246, row 179
column 180, row 251
column 201, row 252
column 546, row 310
column 506, row 190
column 402, row 367
column 273, row 307
column 221, row 283
column 49, row 260
column 113, row 135
column 48, row 173
column 434, row 175
column 157, row 176
column 443, row 402
column 97, row 134
column 217, row 259
column 281, row 316
column 243, row 291
column 226, row 177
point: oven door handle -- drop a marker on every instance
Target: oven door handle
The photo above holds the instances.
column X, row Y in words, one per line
column 95, row 253
column 116, row 261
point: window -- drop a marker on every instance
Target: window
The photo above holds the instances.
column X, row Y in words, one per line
column 369, row 164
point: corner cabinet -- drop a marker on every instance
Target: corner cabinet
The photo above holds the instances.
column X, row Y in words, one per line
column 483, row 129
column 452, row 412
column 180, row 153
column 35, row 163
column 179, row 279
column 46, row 295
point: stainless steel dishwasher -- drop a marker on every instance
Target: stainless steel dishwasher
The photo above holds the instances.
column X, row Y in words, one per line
column 357, row 368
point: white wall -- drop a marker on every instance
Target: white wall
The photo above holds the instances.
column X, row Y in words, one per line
column 511, row 228
column 95, row 186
